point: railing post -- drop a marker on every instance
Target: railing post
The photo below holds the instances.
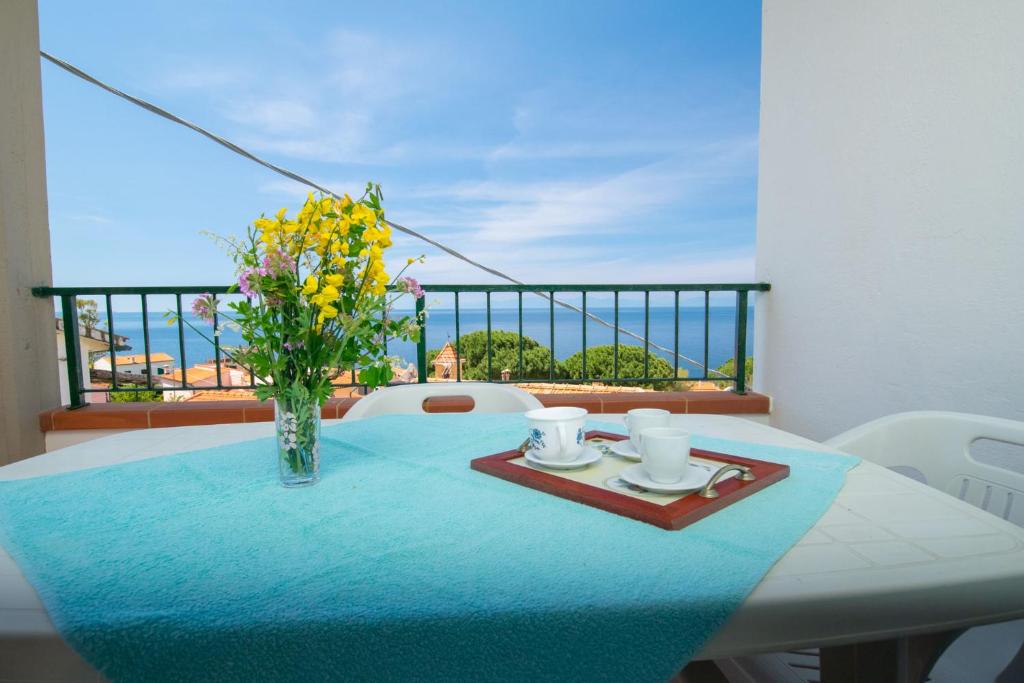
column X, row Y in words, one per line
column 72, row 352
column 458, row 342
column 490, row 375
column 421, row 345
column 647, row 334
column 740, row 354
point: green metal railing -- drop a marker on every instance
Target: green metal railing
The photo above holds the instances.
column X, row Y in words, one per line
column 68, row 296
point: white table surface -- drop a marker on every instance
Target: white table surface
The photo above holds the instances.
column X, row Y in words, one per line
column 890, row 557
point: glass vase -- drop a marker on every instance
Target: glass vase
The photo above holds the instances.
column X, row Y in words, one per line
column 298, row 441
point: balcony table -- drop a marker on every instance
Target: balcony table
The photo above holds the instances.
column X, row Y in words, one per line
column 891, row 559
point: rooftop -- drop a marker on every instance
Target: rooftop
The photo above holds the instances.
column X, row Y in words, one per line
column 138, row 358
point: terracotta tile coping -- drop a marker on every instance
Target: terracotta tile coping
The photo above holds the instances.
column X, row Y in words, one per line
column 143, row 415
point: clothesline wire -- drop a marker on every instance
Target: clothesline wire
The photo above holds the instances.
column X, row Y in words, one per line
column 280, row 170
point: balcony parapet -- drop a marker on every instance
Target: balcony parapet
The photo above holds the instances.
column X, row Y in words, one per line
column 119, row 416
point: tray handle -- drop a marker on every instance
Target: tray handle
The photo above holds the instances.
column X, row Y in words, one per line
column 709, row 489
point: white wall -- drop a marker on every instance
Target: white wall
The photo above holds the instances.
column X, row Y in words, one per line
column 28, row 348
column 891, row 210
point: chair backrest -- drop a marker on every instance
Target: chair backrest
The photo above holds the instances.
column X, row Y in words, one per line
column 938, row 444
column 408, row 399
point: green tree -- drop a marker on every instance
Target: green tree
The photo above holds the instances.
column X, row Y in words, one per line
column 729, row 368
column 135, row 396
column 87, row 314
column 601, row 364
column 504, row 354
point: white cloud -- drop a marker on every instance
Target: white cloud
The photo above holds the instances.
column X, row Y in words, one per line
column 274, row 116
column 513, row 213
column 291, row 190
column 585, row 149
column 90, row 218
column 342, row 105
column 588, row 262
column 328, row 101
column 201, row 77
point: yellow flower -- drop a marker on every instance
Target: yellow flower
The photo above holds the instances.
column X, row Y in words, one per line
column 410, row 261
column 325, row 297
column 310, row 286
column 326, row 313
column 335, row 279
column 265, row 224
column 281, row 214
column 363, row 214
column 344, row 224
column 345, row 248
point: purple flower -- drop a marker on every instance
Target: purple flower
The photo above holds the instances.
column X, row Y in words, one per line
column 245, row 282
column 293, row 346
column 410, row 285
column 204, row 306
column 276, row 263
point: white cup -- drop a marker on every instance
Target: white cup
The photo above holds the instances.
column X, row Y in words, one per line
column 640, row 419
column 665, row 453
column 557, row 433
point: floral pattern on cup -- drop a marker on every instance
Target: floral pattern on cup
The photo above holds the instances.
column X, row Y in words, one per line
column 537, row 439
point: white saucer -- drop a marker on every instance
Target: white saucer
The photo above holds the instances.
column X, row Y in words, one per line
column 696, row 477
column 588, row 457
column 625, row 449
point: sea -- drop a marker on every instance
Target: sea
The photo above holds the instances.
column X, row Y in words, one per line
column 568, row 332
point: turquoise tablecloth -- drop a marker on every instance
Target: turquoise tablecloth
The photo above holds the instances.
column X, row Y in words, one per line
column 402, row 564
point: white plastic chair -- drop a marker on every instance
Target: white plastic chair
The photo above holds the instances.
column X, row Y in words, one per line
column 937, row 445
column 408, row 399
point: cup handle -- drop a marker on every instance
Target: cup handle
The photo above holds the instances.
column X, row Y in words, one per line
column 625, row 421
column 563, row 437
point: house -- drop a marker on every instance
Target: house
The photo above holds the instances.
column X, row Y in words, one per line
column 135, row 363
column 90, row 342
column 444, row 364
column 200, row 376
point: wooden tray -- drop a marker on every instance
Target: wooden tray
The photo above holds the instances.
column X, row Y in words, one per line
column 666, row 511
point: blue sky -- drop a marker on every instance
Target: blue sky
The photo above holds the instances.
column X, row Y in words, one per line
column 558, row 141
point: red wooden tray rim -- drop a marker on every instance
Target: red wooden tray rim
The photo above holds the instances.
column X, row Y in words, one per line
column 672, row 516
